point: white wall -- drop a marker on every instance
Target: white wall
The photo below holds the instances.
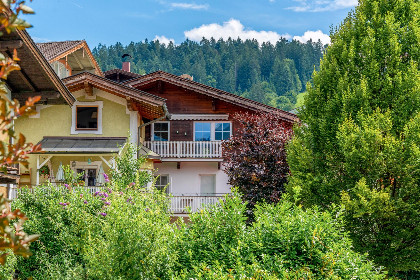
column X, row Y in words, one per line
column 186, row 180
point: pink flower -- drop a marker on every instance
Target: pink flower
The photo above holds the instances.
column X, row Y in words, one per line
column 106, row 178
column 85, row 202
column 103, row 214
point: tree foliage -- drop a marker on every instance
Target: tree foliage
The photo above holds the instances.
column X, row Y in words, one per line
column 255, row 159
column 236, row 66
column 13, row 238
column 359, row 144
column 127, row 235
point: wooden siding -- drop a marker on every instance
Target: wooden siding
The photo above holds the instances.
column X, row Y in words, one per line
column 183, row 101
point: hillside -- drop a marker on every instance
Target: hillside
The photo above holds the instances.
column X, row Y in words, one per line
column 271, row 74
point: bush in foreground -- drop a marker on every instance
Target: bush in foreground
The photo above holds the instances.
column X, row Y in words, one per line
column 128, row 235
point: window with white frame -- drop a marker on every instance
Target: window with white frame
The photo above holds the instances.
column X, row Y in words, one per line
column 162, row 182
column 210, row 131
column 160, row 131
column 87, row 117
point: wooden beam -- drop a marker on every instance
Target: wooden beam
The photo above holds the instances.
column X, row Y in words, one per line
column 10, row 45
column 45, row 95
column 160, row 87
column 131, row 106
column 88, row 88
column 77, row 61
column 213, row 104
column 23, row 75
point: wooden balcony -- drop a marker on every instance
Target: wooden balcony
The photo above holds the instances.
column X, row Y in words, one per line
column 186, row 149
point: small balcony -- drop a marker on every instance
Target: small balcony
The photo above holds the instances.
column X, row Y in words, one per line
column 186, row 149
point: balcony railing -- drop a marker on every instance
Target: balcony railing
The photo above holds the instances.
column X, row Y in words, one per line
column 186, row 149
column 182, row 204
column 178, row 204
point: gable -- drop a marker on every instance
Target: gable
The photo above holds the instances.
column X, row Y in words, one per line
column 159, row 80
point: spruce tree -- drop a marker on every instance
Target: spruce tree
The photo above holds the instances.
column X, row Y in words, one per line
column 359, row 142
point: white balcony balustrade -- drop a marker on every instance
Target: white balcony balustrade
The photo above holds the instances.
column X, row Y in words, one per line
column 186, row 149
column 185, row 204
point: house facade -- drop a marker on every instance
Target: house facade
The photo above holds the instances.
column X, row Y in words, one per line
column 178, row 123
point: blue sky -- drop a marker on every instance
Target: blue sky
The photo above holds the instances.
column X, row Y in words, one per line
column 111, row 21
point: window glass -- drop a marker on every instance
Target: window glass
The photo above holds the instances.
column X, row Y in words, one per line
column 87, row 118
column 162, row 182
column 161, row 132
column 202, row 131
column 207, row 184
column 222, row 131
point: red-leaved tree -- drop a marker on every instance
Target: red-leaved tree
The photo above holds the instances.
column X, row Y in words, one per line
column 255, row 159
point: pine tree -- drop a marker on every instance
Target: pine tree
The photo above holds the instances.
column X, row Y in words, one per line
column 359, row 142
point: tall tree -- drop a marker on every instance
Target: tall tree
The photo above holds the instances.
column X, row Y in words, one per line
column 232, row 65
column 360, row 138
column 255, row 160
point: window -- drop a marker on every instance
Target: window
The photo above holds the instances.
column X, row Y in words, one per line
column 202, row 131
column 160, row 131
column 207, row 184
column 222, row 131
column 162, row 182
column 210, row 131
column 86, row 118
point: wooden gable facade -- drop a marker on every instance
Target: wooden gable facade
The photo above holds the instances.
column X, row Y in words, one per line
column 188, row 98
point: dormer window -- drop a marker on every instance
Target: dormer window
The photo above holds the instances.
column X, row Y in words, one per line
column 87, row 118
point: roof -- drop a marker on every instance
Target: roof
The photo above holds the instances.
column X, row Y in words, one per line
column 9, row 176
column 36, row 76
column 209, row 91
column 120, row 75
column 80, row 145
column 150, row 105
column 54, row 51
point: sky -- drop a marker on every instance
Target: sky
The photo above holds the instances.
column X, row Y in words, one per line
column 125, row 21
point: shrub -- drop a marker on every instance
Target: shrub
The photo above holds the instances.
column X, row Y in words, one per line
column 284, row 242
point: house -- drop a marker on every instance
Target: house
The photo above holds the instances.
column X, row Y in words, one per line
column 36, row 78
column 89, row 132
column 178, row 123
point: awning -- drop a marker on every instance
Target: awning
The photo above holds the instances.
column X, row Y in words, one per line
column 82, row 145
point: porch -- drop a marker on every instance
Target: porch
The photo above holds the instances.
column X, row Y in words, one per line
column 186, row 149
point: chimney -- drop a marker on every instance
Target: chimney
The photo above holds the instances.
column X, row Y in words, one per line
column 126, row 62
column 126, row 66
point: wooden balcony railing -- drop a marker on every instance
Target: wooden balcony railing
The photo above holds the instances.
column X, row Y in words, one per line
column 181, row 204
column 186, row 149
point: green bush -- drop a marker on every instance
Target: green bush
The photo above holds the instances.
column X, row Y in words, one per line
column 284, row 242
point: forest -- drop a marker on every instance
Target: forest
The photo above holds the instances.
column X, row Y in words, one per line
column 271, row 74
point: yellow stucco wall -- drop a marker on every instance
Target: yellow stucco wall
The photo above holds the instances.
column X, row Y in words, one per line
column 56, row 121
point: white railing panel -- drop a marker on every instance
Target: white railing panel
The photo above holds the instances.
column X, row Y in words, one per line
column 180, row 204
column 186, row 149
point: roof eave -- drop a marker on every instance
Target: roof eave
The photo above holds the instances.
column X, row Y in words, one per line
column 45, row 64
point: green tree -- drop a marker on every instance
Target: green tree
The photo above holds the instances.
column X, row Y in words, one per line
column 359, row 142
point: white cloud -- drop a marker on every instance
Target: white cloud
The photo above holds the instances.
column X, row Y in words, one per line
column 233, row 29
column 40, row 40
column 315, row 36
column 322, row 5
column 163, row 40
column 189, row 6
